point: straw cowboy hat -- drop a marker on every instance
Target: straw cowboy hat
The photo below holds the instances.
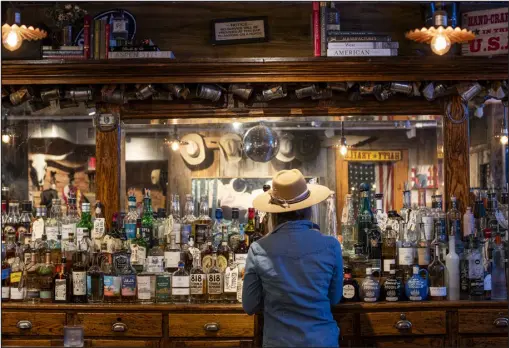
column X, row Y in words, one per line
column 286, row 148
column 230, row 145
column 289, row 193
column 194, row 151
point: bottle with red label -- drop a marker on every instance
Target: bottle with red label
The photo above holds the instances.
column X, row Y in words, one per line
column 350, row 287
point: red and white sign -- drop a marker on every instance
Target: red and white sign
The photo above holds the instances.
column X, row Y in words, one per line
column 490, row 29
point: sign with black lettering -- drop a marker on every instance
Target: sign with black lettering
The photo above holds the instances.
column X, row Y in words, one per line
column 239, row 30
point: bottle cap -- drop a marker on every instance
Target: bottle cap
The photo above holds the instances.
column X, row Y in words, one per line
column 219, row 213
column 235, row 213
column 369, row 271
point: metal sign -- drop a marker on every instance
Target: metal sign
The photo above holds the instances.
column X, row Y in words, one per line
column 373, row 156
column 240, row 30
column 490, row 28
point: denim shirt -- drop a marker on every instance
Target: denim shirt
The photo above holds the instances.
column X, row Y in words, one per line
column 294, row 275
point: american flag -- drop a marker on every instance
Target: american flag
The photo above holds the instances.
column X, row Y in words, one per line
column 380, row 176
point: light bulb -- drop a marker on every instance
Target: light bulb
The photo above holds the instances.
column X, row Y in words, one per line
column 343, row 150
column 504, row 140
column 175, row 145
column 440, row 44
column 6, row 138
column 236, row 125
column 12, row 41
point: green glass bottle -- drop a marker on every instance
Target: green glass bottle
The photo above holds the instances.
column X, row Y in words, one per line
column 85, row 222
column 138, row 248
column 147, row 220
column 365, row 217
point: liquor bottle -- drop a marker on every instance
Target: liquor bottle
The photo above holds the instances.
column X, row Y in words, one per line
column 437, row 271
column 25, row 223
column 379, row 205
column 3, row 219
column 187, row 221
column 111, row 280
column 214, row 282
column 203, row 223
column 177, row 220
column 479, row 216
column 11, row 223
column 331, row 218
column 468, row 223
column 131, row 217
column 6, row 276
column 407, row 205
column 99, row 225
column 155, row 258
column 45, row 274
column 223, row 252
column 95, row 281
column 188, row 255
column 147, row 220
column 62, row 283
column 39, row 222
column 350, row 287
column 464, row 280
column 33, row 293
column 17, row 281
column 487, row 245
column 70, row 221
column 249, row 229
column 416, row 288
column 11, row 248
column 230, row 280
column 258, row 231
column 172, row 255
column 206, row 256
column 475, row 271
column 424, row 216
column 423, row 248
column 348, row 226
column 407, row 251
column 160, row 232
column 79, row 277
column 85, row 222
column 25, row 244
column 392, row 288
column 358, row 262
column 87, row 246
column 452, row 265
column 69, row 249
column 180, row 291
column 138, row 248
column 498, row 277
column 126, row 275
column 217, row 229
column 491, row 210
column 364, row 217
column 163, row 287
column 198, row 282
column 440, row 223
column 234, row 230
column 375, row 247
column 241, row 252
column 146, row 282
column 370, row 287
column 454, row 225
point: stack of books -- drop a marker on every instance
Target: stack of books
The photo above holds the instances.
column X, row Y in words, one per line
column 63, row 52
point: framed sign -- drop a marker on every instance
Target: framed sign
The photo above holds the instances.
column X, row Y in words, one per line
column 373, row 156
column 240, row 30
column 490, row 29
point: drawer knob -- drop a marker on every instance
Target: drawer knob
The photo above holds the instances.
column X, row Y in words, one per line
column 211, row 327
column 24, row 325
column 501, row 322
column 403, row 324
column 119, row 327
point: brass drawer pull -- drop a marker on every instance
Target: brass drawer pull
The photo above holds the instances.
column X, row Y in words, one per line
column 119, row 327
column 24, row 325
column 403, row 324
column 501, row 322
column 212, row 327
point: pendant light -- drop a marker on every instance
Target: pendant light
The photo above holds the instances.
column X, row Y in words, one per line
column 343, row 148
column 13, row 35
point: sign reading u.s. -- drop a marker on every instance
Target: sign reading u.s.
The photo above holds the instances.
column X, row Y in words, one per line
column 373, row 156
column 490, row 29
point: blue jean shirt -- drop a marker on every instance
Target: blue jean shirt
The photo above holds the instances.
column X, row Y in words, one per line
column 295, row 275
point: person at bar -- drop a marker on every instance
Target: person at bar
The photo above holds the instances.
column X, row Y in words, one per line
column 294, row 274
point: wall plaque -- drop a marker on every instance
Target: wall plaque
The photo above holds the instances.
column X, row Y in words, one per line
column 239, row 30
column 490, row 29
column 373, row 156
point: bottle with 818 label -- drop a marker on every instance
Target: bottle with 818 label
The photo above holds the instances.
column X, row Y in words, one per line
column 198, row 281
column 215, row 282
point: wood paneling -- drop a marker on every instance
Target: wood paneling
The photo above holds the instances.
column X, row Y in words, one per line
column 409, row 342
column 484, row 342
column 137, row 324
column 123, row 343
column 346, row 323
column 474, row 322
column 24, row 343
column 213, row 344
column 341, row 185
column 384, row 324
column 230, row 325
column 44, row 324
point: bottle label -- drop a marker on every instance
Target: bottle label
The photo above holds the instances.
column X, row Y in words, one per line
column 66, row 229
column 15, row 277
column 428, row 227
column 180, row 281
column 6, row 273
column 33, row 293
column 6, row 294
column 180, row 291
column 186, row 233
column 51, row 233
column 234, row 241
column 441, row 230
column 128, row 285
column 146, row 232
column 172, row 259
column 406, row 256
column 222, row 263
column 79, row 283
column 155, row 264
column 89, row 285
column 111, row 286
column 121, row 263
column 130, row 230
column 487, row 282
column 475, row 269
column 240, row 259
column 60, row 289
column 348, row 291
column 79, row 233
column 369, row 299
column 9, row 230
column 45, row 294
column 99, row 228
column 176, row 231
column 231, row 276
column 23, row 229
column 197, row 281
column 144, row 287
column 376, row 264
column 388, row 263
column 138, row 254
column 163, row 288
column 17, row 294
column 215, row 283
column 423, row 256
column 464, row 275
column 206, row 263
column 239, row 289
column 38, row 229
column 201, row 233
column 438, row 291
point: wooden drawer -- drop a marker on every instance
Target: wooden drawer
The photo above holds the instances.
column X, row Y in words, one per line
column 484, row 342
column 40, row 324
column 407, row 342
column 482, row 321
column 226, row 325
column 123, row 343
column 212, row 344
column 23, row 343
column 386, row 324
column 345, row 324
column 121, row 324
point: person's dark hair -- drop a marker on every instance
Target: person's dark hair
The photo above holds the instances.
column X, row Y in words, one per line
column 302, row 214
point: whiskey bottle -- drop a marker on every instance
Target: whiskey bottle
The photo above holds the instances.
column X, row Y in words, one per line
column 203, row 224
column 95, row 281
column 241, row 252
column 45, row 274
column 234, row 230
column 188, row 221
column 214, row 282
column 452, row 267
column 370, row 288
column 364, row 217
column 147, row 220
column 131, row 217
column 146, row 286
column 180, row 291
column 206, row 256
column 85, row 222
column 69, row 249
column 230, row 280
column 416, row 288
column 348, row 227
column 436, row 271
column 249, row 229
column 392, row 288
column 62, row 283
column 172, row 255
column 112, row 281
column 475, row 271
column 223, row 252
column 350, row 287
column 217, row 229
column 198, row 282
column 33, row 293
column 79, row 278
column 258, row 231
column 498, row 277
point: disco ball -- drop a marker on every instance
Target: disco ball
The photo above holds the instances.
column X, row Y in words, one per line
column 261, row 143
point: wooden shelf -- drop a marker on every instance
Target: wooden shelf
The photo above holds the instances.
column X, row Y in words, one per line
column 457, row 68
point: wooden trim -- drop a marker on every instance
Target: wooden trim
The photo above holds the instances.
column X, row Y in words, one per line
column 457, row 68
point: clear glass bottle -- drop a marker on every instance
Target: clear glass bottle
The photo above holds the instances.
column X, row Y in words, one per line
column 146, row 282
column 423, row 248
column 180, row 291
column 214, row 282
column 480, row 222
column 348, row 227
column 99, row 225
column 155, row 258
column 177, row 219
column 392, row 288
column 24, row 230
column 416, row 288
column 407, row 206
column 45, row 274
column 364, row 217
column 203, row 223
column 440, row 223
column 217, row 229
column 437, row 271
column 230, row 280
column 62, row 282
column 33, row 293
column 187, row 221
column 131, row 217
column 475, row 271
column 85, row 221
column 234, row 230
column 370, row 287
column 172, row 255
column 454, row 225
column 69, row 249
column 375, row 247
column 39, row 222
column 468, row 223
column 198, row 282
column 70, row 221
column 350, row 287
column 53, row 226
column 95, row 281
column 4, row 219
column 424, row 216
column 487, row 244
column 498, row 275
column 407, row 250
column 11, row 224
column 17, row 281
column 6, row 276
column 452, row 267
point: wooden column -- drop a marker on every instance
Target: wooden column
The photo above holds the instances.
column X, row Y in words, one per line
column 456, row 155
column 107, row 153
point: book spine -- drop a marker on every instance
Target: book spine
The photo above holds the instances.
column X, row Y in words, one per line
column 107, row 38
column 64, row 57
column 102, row 41
column 97, row 37
column 355, row 33
column 92, row 26
column 134, row 55
column 134, row 49
column 368, row 52
column 367, row 44
column 339, row 38
column 316, row 28
column 62, row 48
column 323, row 28
column 62, row 53
column 86, row 36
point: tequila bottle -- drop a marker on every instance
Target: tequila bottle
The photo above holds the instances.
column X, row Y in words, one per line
column 437, row 271
column 217, row 229
column 249, row 229
column 203, row 223
column 172, row 255
column 452, row 268
column 95, row 281
column 188, row 221
column 407, row 251
column 11, row 224
column 198, row 281
column 33, row 294
column 230, row 280
column 53, row 226
column 177, row 220
column 498, row 275
column 131, row 217
column 454, row 225
column 364, row 218
column 214, row 282
column 147, row 220
column 407, row 206
column 392, row 289
column 234, row 230
column 425, row 217
column 62, row 282
column 85, row 222
column 146, row 286
column 70, row 221
column 348, row 226
column 350, row 287
column 475, row 271
column 370, row 287
column 180, row 290
column 99, row 225
column 416, row 288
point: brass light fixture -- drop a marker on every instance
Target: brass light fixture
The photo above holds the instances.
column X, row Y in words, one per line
column 13, row 35
column 440, row 36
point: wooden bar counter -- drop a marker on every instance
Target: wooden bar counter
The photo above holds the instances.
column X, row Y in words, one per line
column 402, row 324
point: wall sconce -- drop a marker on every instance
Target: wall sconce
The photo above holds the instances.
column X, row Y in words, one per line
column 343, row 147
column 174, row 141
column 13, row 36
